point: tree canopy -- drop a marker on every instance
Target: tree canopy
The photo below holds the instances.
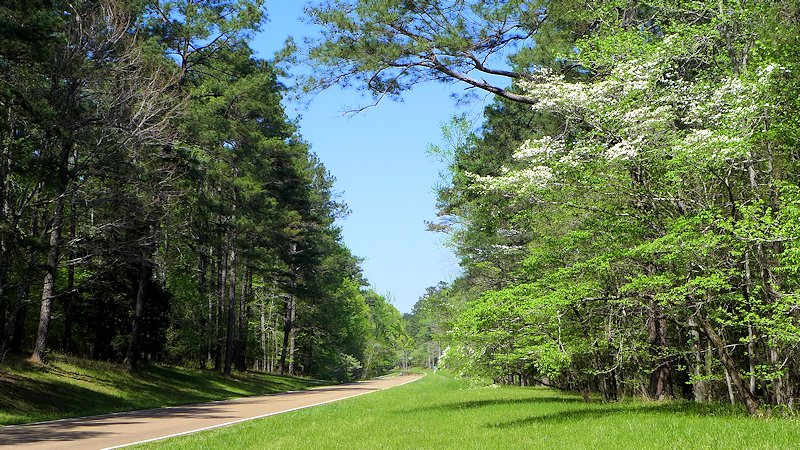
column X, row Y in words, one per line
column 631, row 232
column 156, row 202
column 388, row 46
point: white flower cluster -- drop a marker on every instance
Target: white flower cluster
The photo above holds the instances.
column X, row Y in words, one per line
column 737, row 102
column 621, row 110
column 555, row 94
column 545, row 147
column 525, row 180
column 638, row 75
column 639, row 106
column 621, row 150
column 626, row 79
column 711, row 146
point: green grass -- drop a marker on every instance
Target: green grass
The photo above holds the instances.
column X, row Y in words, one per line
column 439, row 412
column 72, row 387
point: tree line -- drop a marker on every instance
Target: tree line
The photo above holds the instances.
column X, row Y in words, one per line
column 626, row 214
column 157, row 203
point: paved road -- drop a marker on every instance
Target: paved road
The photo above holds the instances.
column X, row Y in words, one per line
column 113, row 430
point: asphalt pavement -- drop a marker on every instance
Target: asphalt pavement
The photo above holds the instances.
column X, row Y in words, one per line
column 120, row 429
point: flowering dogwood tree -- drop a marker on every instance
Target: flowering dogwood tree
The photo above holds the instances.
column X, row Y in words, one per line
column 674, row 153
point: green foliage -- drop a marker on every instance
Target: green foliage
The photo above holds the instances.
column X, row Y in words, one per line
column 148, row 163
column 388, row 46
column 633, row 231
column 386, row 345
column 442, row 412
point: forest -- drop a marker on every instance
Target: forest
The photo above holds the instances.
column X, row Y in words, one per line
column 158, row 205
column 626, row 212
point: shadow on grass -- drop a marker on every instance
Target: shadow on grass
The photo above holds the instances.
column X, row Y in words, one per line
column 677, row 408
column 51, row 399
column 471, row 404
column 67, row 388
column 176, row 384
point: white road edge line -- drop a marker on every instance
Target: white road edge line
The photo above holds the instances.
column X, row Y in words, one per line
column 188, row 405
column 254, row 418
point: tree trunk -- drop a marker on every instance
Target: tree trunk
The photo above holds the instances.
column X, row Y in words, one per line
column 69, row 301
column 292, row 342
column 263, row 336
column 660, row 386
column 145, row 269
column 288, row 328
column 202, row 291
column 71, row 296
column 231, row 313
column 276, row 351
column 132, row 356
column 747, row 289
column 777, row 382
column 6, row 163
column 729, row 385
column 309, row 356
column 699, row 385
column 241, row 335
column 15, row 327
column 221, row 283
column 730, row 366
column 51, row 267
column 4, row 317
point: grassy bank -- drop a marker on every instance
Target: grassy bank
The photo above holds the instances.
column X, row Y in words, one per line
column 72, row 387
column 440, row 412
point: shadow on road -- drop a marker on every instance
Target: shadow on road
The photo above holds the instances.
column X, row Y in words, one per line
column 91, row 427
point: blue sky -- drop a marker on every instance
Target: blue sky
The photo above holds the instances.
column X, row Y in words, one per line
column 379, row 159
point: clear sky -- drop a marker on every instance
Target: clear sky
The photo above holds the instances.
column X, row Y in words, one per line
column 379, row 159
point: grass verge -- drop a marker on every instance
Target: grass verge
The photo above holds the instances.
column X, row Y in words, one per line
column 73, row 387
column 440, row 412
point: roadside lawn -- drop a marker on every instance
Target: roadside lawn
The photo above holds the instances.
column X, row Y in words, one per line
column 74, row 387
column 441, row 412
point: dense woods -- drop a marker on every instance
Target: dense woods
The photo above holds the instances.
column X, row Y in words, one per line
column 627, row 213
column 156, row 202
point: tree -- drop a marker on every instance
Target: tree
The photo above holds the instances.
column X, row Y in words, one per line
column 149, row 167
column 95, row 65
column 388, row 46
column 642, row 207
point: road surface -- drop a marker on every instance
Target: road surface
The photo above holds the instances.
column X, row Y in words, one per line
column 120, row 429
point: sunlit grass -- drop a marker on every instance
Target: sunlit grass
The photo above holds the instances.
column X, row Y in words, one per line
column 440, row 412
column 72, row 387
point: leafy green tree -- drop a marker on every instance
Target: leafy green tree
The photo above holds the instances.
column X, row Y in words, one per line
column 149, row 167
column 388, row 46
column 641, row 197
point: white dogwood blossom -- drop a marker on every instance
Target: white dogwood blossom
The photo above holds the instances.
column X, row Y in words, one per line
column 711, row 146
column 522, row 181
column 621, row 150
column 544, row 147
column 639, row 107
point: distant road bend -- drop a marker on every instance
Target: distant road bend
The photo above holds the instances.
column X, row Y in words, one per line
column 121, row 429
